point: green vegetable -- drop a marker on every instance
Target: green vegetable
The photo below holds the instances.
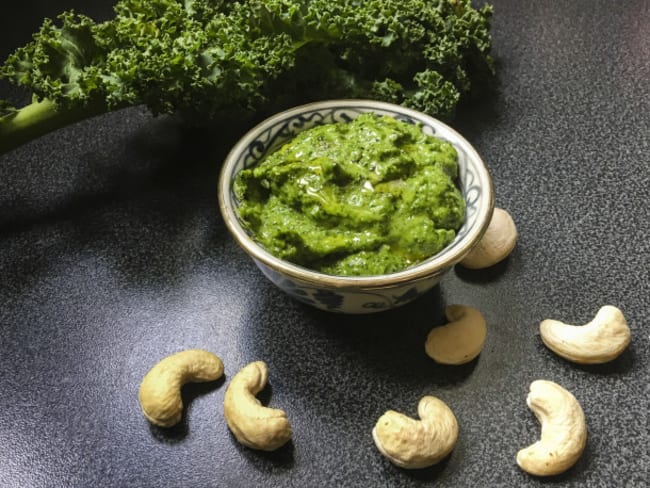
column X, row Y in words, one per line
column 366, row 197
column 204, row 58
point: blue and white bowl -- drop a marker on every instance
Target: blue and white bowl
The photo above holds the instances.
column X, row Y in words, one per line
column 358, row 294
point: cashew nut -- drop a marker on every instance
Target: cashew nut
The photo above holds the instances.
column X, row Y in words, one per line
column 160, row 390
column 254, row 425
column 599, row 341
column 496, row 244
column 459, row 341
column 413, row 444
column 564, row 430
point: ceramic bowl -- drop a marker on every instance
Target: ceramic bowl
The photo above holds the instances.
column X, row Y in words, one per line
column 361, row 294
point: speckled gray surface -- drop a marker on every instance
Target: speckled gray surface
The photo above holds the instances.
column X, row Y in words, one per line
column 113, row 255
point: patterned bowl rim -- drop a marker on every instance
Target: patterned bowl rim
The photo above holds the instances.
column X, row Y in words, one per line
column 432, row 266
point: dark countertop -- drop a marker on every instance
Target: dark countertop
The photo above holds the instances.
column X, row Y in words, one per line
column 113, row 254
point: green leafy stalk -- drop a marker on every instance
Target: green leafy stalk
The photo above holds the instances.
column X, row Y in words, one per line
column 201, row 58
column 39, row 118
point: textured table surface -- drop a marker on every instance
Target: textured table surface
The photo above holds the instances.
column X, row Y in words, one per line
column 113, row 254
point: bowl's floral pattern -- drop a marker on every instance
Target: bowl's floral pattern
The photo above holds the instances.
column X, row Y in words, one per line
column 349, row 301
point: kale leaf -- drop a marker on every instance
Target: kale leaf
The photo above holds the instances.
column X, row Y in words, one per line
column 201, row 58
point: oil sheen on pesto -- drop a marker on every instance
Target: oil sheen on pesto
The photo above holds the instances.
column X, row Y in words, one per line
column 371, row 196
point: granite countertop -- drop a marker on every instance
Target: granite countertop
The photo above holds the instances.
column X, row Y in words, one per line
column 113, row 255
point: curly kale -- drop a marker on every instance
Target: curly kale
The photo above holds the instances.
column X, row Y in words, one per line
column 201, row 58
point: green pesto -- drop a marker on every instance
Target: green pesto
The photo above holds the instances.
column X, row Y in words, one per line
column 371, row 196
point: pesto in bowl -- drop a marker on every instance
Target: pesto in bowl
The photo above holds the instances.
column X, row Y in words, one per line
column 369, row 196
column 360, row 293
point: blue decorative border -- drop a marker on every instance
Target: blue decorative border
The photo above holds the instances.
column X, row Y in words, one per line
column 339, row 301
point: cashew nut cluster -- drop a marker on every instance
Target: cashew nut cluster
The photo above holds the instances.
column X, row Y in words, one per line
column 496, row 244
column 459, row 341
column 564, row 430
column 413, row 444
column 254, row 425
column 601, row 340
column 160, row 390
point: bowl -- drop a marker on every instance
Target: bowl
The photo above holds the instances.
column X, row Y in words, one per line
column 356, row 294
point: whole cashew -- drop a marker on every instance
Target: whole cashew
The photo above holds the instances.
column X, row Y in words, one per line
column 564, row 431
column 254, row 425
column 160, row 390
column 496, row 244
column 413, row 444
column 599, row 341
column 461, row 340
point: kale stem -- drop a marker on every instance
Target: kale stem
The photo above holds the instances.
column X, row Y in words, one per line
column 39, row 118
